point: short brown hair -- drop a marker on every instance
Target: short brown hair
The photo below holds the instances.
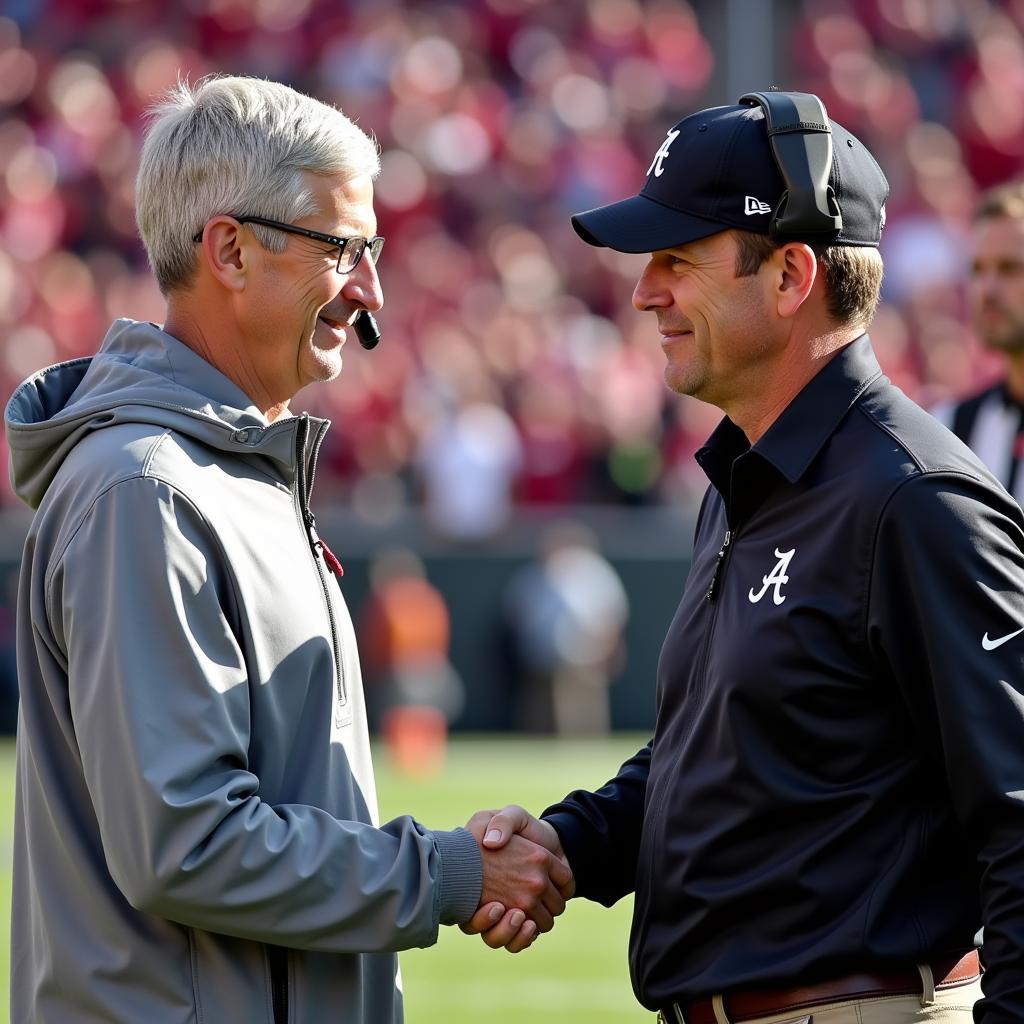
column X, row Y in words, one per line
column 1002, row 201
column 852, row 274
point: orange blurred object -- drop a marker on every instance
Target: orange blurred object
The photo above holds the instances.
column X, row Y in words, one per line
column 416, row 738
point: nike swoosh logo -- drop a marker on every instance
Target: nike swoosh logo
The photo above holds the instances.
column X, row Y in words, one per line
column 991, row 645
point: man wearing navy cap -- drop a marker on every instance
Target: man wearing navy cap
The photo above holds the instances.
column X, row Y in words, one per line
column 833, row 800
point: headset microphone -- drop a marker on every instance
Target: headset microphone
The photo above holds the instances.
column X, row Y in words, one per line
column 367, row 330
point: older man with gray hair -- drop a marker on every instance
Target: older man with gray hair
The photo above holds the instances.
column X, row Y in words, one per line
column 197, row 835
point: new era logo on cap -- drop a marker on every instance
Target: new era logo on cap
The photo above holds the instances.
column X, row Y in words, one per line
column 756, row 206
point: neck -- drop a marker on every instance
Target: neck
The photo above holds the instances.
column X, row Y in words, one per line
column 219, row 343
column 773, row 388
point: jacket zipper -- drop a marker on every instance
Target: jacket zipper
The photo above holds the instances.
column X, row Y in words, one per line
column 719, row 561
column 317, row 546
column 712, row 596
column 277, row 960
column 696, row 698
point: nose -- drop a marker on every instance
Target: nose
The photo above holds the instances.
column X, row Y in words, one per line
column 362, row 286
column 650, row 291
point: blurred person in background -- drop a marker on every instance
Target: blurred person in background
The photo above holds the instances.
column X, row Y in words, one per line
column 467, row 464
column 414, row 692
column 991, row 421
column 832, row 801
column 196, row 830
column 565, row 615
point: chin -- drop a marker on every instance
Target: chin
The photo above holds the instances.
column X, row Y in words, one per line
column 323, row 369
column 681, row 382
column 332, row 371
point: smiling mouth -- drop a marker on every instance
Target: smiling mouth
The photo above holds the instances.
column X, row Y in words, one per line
column 334, row 325
column 336, row 336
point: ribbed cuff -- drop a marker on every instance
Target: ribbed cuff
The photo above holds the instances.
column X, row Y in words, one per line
column 461, row 878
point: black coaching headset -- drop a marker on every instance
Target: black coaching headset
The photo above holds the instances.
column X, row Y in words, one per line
column 801, row 141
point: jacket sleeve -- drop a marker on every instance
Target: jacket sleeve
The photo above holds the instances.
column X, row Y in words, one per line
column 946, row 613
column 600, row 831
column 159, row 698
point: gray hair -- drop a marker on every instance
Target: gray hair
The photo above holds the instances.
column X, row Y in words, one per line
column 238, row 146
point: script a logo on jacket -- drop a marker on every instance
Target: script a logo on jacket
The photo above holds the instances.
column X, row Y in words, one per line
column 776, row 578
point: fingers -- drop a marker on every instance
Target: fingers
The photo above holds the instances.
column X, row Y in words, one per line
column 568, row 890
column 505, row 930
column 484, row 919
column 551, row 904
column 506, row 823
column 513, row 932
column 522, row 874
column 524, row 939
column 479, row 822
column 493, row 830
column 524, row 868
column 498, row 928
column 543, row 917
column 561, row 875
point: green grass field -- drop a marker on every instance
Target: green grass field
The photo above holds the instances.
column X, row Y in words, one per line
column 575, row 974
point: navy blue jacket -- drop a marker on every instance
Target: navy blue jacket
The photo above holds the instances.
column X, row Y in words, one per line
column 836, row 779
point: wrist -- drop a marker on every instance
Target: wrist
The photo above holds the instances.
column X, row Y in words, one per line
column 460, row 876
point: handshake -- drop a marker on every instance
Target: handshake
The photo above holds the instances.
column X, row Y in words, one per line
column 526, row 878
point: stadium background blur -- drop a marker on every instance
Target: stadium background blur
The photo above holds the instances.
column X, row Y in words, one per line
column 515, row 386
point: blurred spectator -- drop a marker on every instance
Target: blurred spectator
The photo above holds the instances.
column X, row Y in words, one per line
column 412, row 690
column 497, row 119
column 564, row 617
column 467, row 464
column 991, row 421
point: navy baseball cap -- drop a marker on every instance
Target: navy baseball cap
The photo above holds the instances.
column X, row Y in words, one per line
column 714, row 171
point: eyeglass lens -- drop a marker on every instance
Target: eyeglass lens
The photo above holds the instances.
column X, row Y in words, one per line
column 350, row 254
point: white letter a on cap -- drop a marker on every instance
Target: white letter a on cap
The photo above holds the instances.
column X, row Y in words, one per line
column 659, row 157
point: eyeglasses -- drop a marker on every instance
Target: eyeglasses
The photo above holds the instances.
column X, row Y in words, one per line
column 350, row 250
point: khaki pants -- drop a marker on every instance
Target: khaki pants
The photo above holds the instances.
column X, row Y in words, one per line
column 946, row 1006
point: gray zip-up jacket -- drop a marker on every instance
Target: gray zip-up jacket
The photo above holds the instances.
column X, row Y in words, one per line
column 196, row 833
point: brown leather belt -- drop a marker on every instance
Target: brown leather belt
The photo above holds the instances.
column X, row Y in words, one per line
column 948, row 972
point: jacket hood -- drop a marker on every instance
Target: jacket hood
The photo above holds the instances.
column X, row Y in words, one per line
column 140, row 375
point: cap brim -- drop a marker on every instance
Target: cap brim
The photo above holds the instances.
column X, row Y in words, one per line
column 640, row 224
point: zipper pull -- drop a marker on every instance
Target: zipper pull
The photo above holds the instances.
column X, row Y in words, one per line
column 332, row 560
column 320, row 546
column 719, row 559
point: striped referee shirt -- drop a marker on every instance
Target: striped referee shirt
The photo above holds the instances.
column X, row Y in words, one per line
column 991, row 424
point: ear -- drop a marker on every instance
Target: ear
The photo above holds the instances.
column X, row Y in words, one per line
column 226, row 252
column 797, row 270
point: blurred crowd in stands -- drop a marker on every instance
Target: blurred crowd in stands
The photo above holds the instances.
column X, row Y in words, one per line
column 512, row 369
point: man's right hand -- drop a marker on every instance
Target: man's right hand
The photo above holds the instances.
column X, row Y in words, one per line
column 525, row 870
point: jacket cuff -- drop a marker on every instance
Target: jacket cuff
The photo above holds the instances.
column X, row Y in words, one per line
column 461, row 876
